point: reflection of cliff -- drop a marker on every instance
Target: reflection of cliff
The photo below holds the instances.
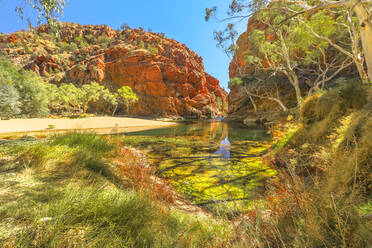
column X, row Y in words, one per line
column 224, row 149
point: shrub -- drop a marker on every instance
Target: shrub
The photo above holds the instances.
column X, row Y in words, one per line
column 103, row 41
column 9, row 101
column 142, row 45
column 34, row 95
column 81, row 41
column 236, row 81
column 91, row 93
column 322, row 112
column 89, row 37
column 152, row 49
column 124, row 27
column 67, row 47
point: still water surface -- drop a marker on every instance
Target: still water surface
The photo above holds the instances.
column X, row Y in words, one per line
column 208, row 162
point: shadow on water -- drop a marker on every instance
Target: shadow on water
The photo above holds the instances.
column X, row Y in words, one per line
column 208, row 162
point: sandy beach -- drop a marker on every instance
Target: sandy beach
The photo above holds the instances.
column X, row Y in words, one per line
column 97, row 124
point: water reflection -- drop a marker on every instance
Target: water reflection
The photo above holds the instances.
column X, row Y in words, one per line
column 207, row 162
column 224, row 149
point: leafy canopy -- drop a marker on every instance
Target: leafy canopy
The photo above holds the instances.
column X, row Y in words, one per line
column 22, row 92
column 48, row 10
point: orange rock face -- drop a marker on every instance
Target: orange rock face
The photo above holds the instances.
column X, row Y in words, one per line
column 170, row 82
column 240, row 105
column 238, row 64
column 168, row 78
column 44, row 64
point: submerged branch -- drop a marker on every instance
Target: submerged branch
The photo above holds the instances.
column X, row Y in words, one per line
column 227, row 200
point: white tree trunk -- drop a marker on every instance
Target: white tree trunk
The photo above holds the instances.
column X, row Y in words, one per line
column 366, row 35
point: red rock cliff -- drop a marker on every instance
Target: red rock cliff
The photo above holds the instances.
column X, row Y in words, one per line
column 168, row 78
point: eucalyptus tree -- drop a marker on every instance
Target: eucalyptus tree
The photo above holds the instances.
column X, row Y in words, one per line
column 361, row 10
column 288, row 46
column 126, row 95
column 48, row 10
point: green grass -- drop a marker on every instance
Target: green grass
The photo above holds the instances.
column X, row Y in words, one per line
column 67, row 191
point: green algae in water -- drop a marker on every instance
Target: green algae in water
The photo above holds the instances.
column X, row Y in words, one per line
column 208, row 162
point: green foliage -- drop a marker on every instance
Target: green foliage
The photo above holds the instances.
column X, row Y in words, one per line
column 9, row 100
column 80, row 67
column 236, row 81
column 152, row 49
column 72, row 98
column 67, row 47
column 127, row 96
column 219, row 103
column 87, row 141
column 81, row 41
column 103, row 41
column 341, row 137
column 334, row 103
column 52, row 90
column 91, row 93
column 89, row 37
column 90, row 149
column 47, row 36
column 8, row 72
column 142, row 45
column 33, row 96
column 68, row 95
column 47, row 9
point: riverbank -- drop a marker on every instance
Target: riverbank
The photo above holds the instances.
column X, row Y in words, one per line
column 93, row 190
column 102, row 125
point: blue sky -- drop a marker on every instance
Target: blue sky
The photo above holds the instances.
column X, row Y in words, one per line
column 182, row 20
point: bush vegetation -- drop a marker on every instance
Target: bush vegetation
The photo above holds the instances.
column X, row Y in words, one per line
column 31, row 96
column 67, row 47
column 324, row 182
column 24, row 94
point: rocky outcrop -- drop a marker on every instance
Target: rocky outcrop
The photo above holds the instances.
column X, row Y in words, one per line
column 168, row 78
column 241, row 107
column 238, row 65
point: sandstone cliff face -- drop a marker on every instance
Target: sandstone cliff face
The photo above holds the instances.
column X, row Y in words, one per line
column 168, row 78
column 241, row 108
column 238, row 65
